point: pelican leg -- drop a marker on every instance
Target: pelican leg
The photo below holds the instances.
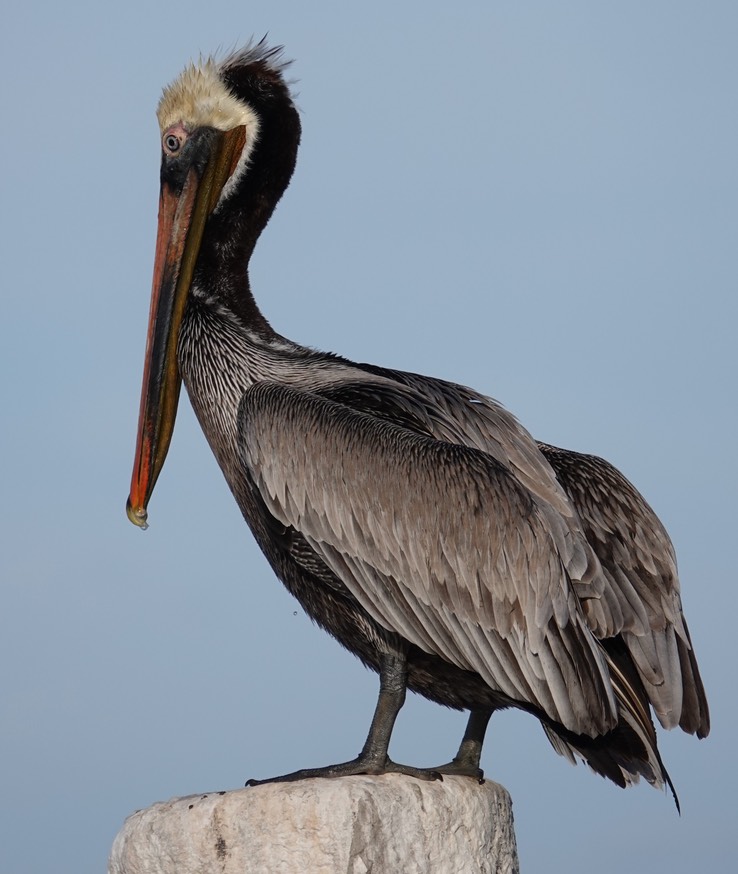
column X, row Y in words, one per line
column 374, row 758
column 466, row 761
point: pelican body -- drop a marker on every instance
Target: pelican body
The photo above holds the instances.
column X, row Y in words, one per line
column 414, row 519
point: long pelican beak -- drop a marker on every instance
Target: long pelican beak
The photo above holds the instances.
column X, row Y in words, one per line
column 183, row 211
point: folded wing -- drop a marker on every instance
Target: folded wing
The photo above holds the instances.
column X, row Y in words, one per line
column 439, row 542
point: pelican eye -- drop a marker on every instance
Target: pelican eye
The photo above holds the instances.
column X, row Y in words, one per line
column 172, row 143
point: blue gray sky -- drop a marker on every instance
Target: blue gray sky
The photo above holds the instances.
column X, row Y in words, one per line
column 535, row 199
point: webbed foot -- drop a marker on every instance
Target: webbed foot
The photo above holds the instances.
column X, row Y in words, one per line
column 359, row 765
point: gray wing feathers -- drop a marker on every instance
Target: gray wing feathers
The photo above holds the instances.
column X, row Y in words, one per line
column 641, row 599
column 458, row 414
column 439, row 542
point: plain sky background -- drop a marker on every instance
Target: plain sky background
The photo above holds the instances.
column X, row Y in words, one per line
column 538, row 199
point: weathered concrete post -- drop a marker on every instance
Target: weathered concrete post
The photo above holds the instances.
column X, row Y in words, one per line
column 353, row 825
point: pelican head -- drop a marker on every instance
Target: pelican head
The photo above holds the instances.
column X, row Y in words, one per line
column 216, row 120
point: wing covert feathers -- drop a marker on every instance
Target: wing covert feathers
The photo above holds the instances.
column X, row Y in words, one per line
column 434, row 537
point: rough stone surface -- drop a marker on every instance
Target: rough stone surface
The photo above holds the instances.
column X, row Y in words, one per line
column 352, row 825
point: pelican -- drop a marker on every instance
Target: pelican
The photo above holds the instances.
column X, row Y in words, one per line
column 414, row 519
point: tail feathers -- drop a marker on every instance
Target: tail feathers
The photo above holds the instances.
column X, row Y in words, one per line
column 630, row 750
column 695, row 717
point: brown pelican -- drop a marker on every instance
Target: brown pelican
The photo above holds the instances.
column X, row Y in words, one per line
column 413, row 519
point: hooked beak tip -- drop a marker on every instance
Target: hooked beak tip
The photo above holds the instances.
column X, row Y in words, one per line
column 137, row 515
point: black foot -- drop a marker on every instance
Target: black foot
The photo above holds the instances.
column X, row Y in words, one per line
column 356, row 766
column 466, row 762
column 461, row 768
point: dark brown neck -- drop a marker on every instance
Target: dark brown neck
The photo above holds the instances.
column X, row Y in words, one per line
column 234, row 228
